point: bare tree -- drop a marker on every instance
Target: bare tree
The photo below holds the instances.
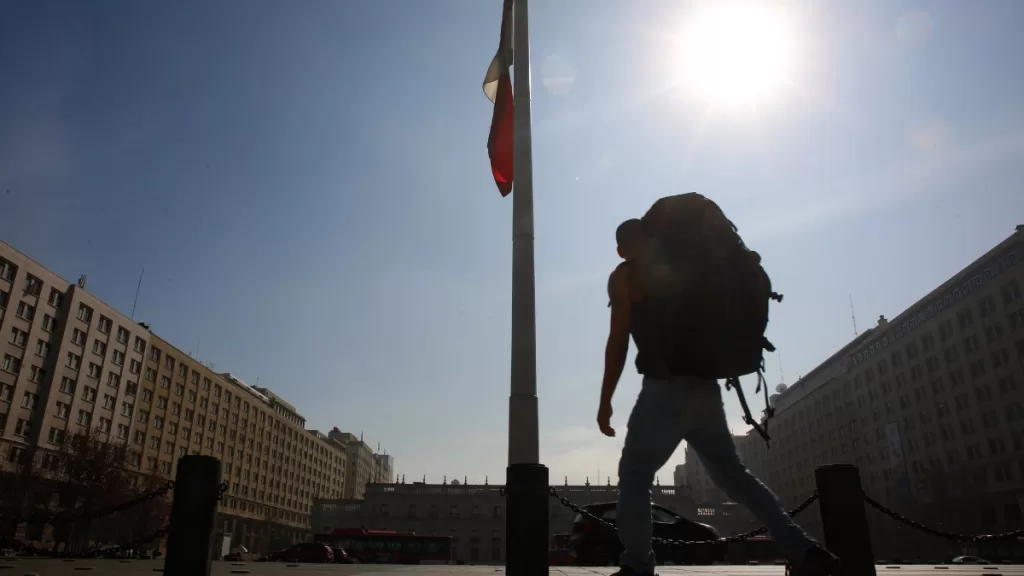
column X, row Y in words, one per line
column 93, row 476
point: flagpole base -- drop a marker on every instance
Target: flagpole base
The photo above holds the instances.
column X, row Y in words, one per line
column 526, row 520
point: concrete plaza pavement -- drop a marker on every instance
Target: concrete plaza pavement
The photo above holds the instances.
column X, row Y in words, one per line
column 42, row 567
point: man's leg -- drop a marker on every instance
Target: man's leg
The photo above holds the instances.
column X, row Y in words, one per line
column 713, row 442
column 653, row 434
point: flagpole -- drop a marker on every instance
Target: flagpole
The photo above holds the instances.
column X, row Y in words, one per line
column 526, row 479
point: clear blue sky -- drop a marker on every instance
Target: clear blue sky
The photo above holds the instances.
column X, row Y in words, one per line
column 307, row 187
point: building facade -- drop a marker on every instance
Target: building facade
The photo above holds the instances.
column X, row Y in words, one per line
column 362, row 467
column 929, row 406
column 70, row 363
column 473, row 515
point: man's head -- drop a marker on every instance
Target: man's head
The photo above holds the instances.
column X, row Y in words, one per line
column 628, row 237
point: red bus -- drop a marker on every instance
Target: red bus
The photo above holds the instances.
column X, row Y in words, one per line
column 389, row 546
column 559, row 554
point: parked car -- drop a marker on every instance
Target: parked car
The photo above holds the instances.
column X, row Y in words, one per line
column 595, row 545
column 304, row 552
column 340, row 556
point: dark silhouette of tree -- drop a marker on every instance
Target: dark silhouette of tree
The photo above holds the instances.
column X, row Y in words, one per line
column 84, row 475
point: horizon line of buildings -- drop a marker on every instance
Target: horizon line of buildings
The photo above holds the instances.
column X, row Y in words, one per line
column 69, row 362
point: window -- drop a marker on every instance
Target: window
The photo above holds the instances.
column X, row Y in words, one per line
column 109, row 401
column 126, row 409
column 7, row 271
column 11, row 364
column 113, row 380
column 56, row 298
column 105, row 424
column 23, row 427
column 43, row 348
column 74, row 361
column 26, row 311
column 183, row 370
column 4, row 297
column 140, row 345
column 56, row 436
column 29, row 400
column 95, row 371
column 105, row 324
column 118, row 358
column 84, row 313
column 18, row 337
column 49, row 322
column 78, row 337
column 122, row 432
column 122, row 335
column 63, row 410
column 89, row 394
column 33, row 285
column 37, row 374
column 84, row 418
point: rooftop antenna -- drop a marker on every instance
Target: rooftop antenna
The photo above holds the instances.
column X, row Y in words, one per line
column 853, row 315
column 782, row 375
column 137, row 289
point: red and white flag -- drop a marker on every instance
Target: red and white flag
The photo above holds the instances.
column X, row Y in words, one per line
column 498, row 89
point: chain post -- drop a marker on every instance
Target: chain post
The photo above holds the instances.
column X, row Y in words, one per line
column 198, row 489
column 844, row 519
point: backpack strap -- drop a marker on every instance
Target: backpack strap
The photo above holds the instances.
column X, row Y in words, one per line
column 769, row 411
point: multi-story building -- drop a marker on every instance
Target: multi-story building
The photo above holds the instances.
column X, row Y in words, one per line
column 929, row 406
column 70, row 363
column 273, row 465
column 384, row 469
column 473, row 515
column 362, row 468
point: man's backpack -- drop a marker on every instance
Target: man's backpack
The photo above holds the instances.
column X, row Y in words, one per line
column 711, row 290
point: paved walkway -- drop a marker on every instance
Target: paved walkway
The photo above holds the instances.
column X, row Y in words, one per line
column 149, row 568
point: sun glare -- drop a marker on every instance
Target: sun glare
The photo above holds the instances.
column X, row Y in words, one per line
column 738, row 54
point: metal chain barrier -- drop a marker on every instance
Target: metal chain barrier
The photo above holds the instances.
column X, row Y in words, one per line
column 940, row 533
column 222, row 489
column 734, row 538
column 90, row 515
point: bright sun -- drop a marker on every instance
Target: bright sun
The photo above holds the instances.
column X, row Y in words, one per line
column 738, row 54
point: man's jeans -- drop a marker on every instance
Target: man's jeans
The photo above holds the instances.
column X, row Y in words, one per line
column 666, row 413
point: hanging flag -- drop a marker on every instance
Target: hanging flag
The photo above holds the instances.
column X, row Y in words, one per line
column 498, row 89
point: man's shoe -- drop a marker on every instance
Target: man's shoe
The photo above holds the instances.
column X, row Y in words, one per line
column 627, row 571
column 817, row 562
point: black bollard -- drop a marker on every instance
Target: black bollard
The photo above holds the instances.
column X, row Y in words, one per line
column 844, row 519
column 190, row 538
column 526, row 520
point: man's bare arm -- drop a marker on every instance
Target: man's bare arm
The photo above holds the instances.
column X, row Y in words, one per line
column 618, row 333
